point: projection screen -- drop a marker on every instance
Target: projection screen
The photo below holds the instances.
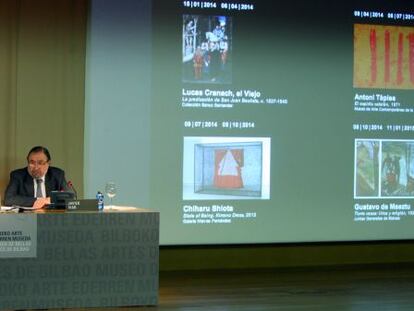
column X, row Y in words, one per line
column 282, row 121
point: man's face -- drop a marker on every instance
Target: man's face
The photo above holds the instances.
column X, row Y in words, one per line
column 37, row 164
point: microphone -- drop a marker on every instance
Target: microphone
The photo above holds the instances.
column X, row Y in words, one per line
column 70, row 185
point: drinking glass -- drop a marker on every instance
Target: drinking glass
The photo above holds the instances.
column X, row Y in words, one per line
column 110, row 190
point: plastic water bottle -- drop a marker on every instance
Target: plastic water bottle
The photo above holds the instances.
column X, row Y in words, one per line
column 100, row 198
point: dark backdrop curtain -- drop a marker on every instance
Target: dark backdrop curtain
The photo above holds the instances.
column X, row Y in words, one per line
column 42, row 83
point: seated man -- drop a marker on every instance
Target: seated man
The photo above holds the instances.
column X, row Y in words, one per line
column 31, row 185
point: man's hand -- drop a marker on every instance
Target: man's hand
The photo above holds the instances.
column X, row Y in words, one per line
column 41, row 203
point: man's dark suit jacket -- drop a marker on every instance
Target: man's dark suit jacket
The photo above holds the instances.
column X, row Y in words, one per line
column 20, row 190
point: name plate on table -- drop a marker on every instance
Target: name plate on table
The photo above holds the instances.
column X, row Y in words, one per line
column 82, row 205
column 58, row 199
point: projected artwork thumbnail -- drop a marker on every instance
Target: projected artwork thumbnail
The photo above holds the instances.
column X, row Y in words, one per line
column 397, row 168
column 226, row 169
column 383, row 56
column 206, row 49
column 221, row 169
column 384, row 168
column 367, row 169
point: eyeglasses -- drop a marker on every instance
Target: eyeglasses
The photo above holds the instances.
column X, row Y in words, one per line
column 38, row 163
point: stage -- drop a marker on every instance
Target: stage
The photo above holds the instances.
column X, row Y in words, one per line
column 356, row 288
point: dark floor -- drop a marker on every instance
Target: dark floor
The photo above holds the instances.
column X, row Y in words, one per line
column 362, row 288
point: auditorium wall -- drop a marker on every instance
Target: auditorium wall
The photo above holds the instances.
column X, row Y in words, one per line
column 42, row 61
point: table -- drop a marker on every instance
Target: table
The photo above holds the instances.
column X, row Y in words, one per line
column 79, row 259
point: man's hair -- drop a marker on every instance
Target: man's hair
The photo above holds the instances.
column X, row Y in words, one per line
column 37, row 149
